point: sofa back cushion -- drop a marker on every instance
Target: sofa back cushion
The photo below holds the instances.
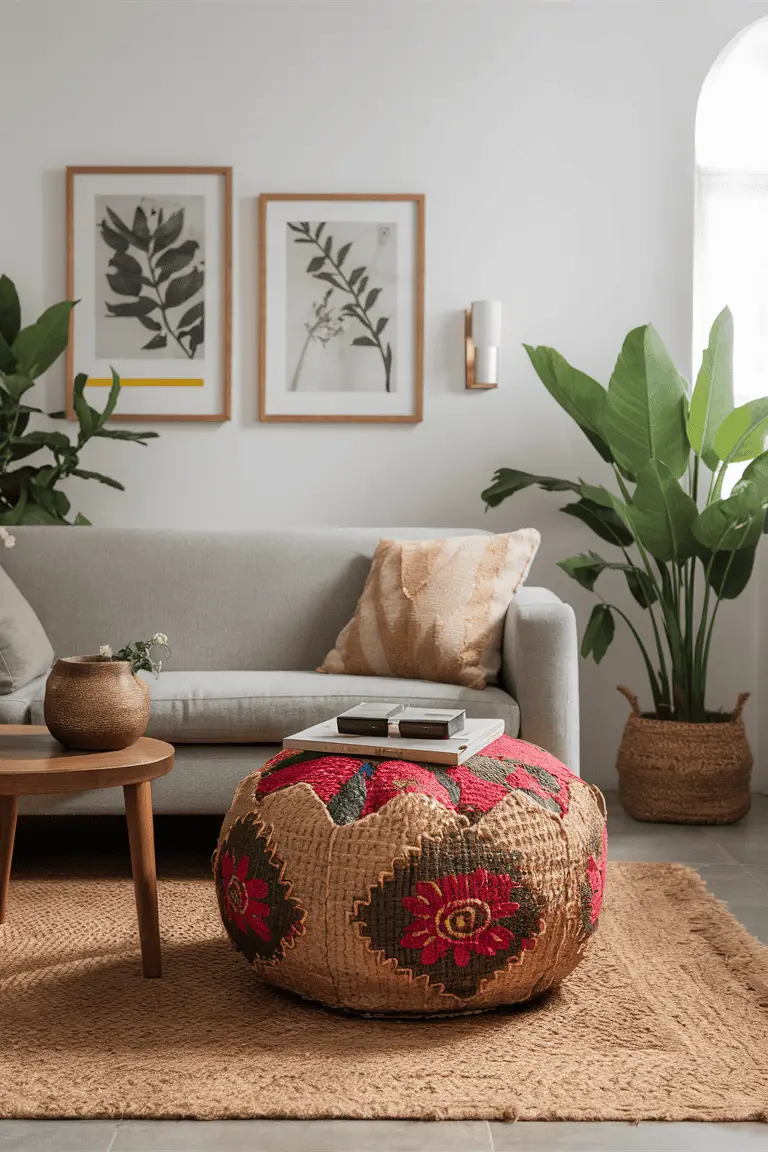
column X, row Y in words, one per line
column 25, row 650
column 227, row 600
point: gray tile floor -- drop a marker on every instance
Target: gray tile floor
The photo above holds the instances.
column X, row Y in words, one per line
column 733, row 861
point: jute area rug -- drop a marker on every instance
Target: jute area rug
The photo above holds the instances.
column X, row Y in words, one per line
column 666, row 1019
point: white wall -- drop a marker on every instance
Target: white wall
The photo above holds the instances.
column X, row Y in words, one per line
column 554, row 142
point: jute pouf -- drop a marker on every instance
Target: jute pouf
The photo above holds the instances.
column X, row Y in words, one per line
column 386, row 886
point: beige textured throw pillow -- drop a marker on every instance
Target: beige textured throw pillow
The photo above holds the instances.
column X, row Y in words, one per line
column 25, row 650
column 434, row 609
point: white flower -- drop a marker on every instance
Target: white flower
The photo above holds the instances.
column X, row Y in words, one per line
column 159, row 638
column 105, row 651
column 6, row 538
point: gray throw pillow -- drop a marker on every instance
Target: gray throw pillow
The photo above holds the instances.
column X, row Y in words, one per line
column 25, row 650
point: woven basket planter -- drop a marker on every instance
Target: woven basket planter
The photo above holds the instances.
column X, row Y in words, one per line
column 678, row 773
column 389, row 887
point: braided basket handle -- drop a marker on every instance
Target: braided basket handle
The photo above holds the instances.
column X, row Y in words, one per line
column 633, row 701
column 741, row 701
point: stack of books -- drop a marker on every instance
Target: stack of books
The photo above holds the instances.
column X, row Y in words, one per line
column 400, row 732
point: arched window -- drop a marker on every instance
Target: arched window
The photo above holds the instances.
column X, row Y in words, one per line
column 731, row 252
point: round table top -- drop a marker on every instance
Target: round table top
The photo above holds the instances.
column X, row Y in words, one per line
column 32, row 762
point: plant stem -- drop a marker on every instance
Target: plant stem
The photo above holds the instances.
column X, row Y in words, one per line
column 163, row 312
column 655, row 690
column 718, row 602
column 668, row 699
column 363, row 317
column 295, row 378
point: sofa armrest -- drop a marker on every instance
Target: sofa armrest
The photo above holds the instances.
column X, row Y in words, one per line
column 540, row 667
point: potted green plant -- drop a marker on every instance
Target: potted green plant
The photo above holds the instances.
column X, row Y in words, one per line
column 30, row 493
column 681, row 544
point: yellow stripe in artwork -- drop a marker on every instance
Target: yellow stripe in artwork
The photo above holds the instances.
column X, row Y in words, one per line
column 147, row 382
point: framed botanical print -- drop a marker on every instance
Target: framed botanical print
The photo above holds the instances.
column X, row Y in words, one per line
column 341, row 307
column 149, row 258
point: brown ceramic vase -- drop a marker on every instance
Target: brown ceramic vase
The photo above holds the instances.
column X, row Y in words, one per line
column 95, row 705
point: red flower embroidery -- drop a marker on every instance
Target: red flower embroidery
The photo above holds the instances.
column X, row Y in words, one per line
column 596, row 877
column 461, row 913
column 244, row 899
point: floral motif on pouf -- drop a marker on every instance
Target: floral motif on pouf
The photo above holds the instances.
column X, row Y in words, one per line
column 393, row 887
column 466, row 913
column 256, row 905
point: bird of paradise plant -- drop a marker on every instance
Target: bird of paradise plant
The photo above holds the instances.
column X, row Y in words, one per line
column 682, row 546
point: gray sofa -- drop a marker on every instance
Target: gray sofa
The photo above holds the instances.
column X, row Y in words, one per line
column 250, row 615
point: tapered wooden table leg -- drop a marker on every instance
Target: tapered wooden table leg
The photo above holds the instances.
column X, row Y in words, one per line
column 138, row 810
column 9, row 806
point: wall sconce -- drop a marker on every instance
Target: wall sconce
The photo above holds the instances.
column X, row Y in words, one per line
column 482, row 330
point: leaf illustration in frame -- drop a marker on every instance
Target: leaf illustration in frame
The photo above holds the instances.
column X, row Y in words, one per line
column 125, row 263
column 140, row 229
column 148, row 322
column 184, row 287
column 196, row 336
column 364, row 341
column 113, row 239
column 168, row 231
column 159, row 341
column 125, row 285
column 342, row 254
column 120, row 226
column 191, row 315
column 138, row 307
column 175, row 259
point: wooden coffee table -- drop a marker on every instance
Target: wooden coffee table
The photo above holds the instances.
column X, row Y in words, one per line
column 32, row 763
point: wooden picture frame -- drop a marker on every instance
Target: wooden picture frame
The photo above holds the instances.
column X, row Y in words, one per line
column 107, row 333
column 299, row 313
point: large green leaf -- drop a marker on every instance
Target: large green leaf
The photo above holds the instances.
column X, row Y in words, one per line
column 587, row 567
column 730, row 571
column 7, row 357
column 578, row 394
column 603, row 521
column 663, row 514
column 712, row 398
column 741, row 436
column 508, row 481
column 584, row 568
column 733, row 523
column 16, row 385
column 112, row 398
column 10, row 310
column 121, row 434
column 646, row 406
column 599, row 633
column 37, row 346
column 84, row 474
column 88, row 418
column 52, row 500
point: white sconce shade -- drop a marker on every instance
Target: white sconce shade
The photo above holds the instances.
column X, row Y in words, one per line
column 486, row 323
column 484, row 336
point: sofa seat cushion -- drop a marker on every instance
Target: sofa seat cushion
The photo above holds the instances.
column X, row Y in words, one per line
column 263, row 707
column 17, row 707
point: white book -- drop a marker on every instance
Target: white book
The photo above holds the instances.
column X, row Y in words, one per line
column 475, row 736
